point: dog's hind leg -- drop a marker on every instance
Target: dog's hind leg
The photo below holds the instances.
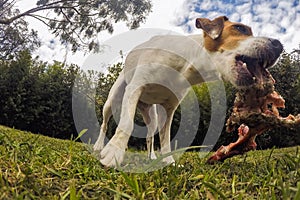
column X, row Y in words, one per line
column 112, row 104
column 113, row 153
column 152, row 128
column 167, row 110
column 150, row 118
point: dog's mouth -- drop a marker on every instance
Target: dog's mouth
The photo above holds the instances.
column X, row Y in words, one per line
column 250, row 70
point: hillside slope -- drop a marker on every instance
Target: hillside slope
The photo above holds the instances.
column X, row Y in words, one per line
column 37, row 167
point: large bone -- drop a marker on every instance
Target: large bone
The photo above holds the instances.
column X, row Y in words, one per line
column 255, row 111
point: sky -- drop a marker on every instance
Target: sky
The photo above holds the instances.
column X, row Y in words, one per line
column 271, row 18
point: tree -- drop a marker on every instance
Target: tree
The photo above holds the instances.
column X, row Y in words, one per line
column 14, row 35
column 74, row 22
column 37, row 96
column 287, row 76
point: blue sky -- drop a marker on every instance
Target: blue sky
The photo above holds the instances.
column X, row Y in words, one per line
column 271, row 18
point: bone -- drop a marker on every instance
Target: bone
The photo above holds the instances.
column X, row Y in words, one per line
column 255, row 111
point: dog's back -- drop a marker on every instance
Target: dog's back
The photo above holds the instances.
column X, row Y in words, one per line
column 175, row 51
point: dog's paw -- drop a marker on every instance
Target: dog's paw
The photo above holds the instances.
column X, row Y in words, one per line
column 152, row 156
column 112, row 155
column 98, row 146
column 169, row 160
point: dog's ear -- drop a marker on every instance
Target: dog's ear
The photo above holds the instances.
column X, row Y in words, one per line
column 212, row 28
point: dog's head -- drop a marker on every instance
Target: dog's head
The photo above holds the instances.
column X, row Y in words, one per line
column 240, row 57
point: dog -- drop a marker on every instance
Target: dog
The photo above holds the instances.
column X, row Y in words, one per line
column 159, row 73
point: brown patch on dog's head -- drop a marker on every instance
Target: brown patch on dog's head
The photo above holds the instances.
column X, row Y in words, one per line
column 212, row 28
column 221, row 34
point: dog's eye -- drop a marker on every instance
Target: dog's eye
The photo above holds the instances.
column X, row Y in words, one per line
column 242, row 29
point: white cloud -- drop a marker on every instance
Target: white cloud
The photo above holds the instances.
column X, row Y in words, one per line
column 266, row 18
column 273, row 18
column 162, row 17
column 243, row 8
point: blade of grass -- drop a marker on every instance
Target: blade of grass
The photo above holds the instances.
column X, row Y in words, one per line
column 132, row 182
column 81, row 134
column 297, row 196
column 233, row 184
column 214, row 189
column 119, row 193
column 160, row 158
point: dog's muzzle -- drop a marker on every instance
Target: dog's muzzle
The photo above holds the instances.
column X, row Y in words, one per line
column 252, row 67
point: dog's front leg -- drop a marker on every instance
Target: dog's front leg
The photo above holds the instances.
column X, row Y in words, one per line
column 107, row 113
column 111, row 106
column 113, row 153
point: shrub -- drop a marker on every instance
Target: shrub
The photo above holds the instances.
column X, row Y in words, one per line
column 36, row 96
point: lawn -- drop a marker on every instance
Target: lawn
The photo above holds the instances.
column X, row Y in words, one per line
column 38, row 167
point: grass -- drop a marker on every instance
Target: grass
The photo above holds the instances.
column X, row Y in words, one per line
column 37, row 167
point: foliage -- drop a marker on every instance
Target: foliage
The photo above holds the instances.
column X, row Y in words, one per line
column 37, row 96
column 15, row 36
column 38, row 167
column 287, row 76
column 74, row 22
column 204, row 100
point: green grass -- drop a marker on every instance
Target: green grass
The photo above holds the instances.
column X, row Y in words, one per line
column 37, row 167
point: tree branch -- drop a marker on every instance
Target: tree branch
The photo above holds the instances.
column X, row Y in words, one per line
column 39, row 18
column 3, row 2
column 50, row 6
column 66, row 16
column 75, row 22
column 6, row 7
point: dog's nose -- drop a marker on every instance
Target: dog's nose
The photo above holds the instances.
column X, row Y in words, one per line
column 276, row 46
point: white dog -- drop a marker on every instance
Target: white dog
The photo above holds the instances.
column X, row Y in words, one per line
column 161, row 70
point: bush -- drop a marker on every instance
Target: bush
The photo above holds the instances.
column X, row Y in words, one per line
column 36, row 96
column 287, row 76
